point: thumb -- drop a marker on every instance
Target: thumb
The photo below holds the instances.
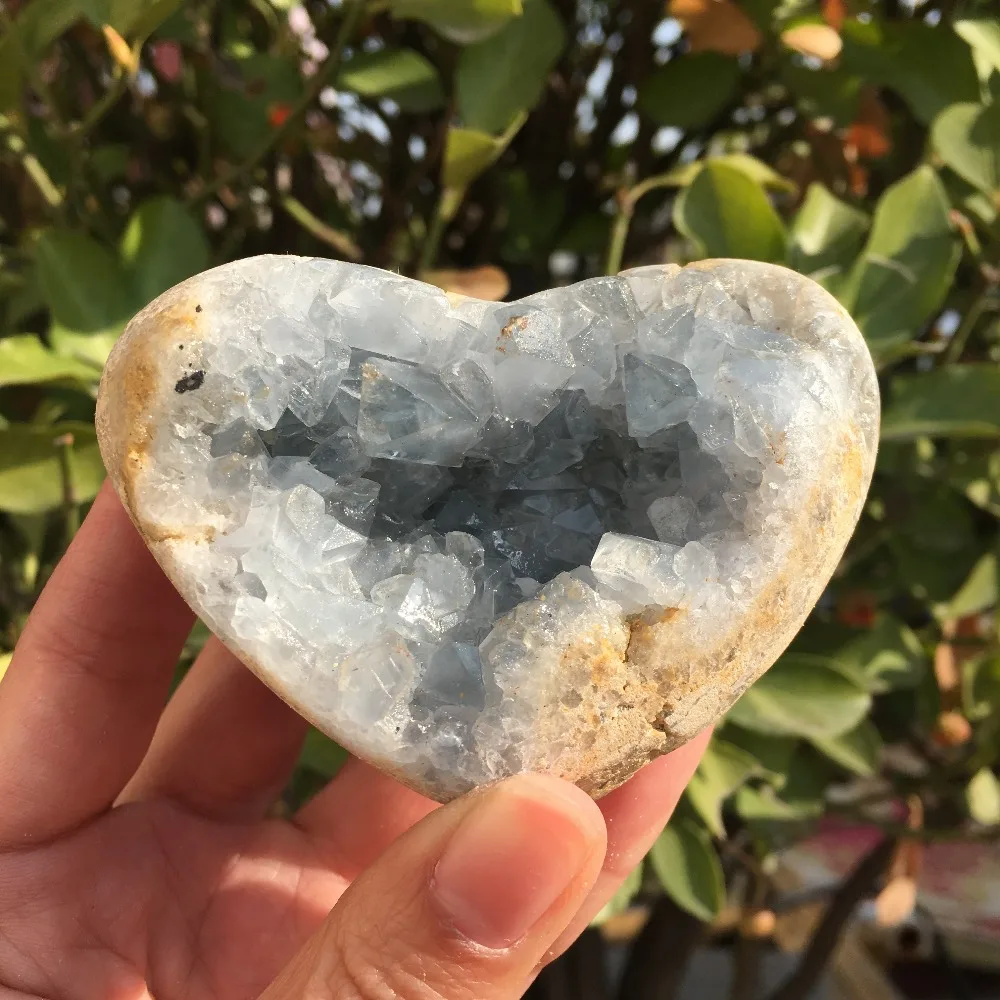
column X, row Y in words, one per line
column 464, row 906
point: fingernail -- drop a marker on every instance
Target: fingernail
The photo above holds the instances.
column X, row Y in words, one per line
column 513, row 856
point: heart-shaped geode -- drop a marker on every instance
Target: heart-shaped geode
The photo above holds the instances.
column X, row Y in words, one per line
column 469, row 538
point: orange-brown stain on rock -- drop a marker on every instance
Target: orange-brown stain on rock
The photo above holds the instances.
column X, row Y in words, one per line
column 513, row 326
column 641, row 630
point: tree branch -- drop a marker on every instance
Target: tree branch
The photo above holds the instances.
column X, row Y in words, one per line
column 852, row 891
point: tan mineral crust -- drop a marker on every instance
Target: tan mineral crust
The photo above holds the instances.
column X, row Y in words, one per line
column 467, row 539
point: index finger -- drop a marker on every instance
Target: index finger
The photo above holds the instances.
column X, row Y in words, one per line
column 88, row 680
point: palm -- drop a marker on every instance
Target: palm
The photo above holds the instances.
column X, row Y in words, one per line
column 154, row 899
column 136, row 856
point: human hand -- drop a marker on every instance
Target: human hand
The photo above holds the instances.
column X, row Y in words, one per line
column 136, row 859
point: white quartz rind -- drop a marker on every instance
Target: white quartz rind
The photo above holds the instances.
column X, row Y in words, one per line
column 694, row 407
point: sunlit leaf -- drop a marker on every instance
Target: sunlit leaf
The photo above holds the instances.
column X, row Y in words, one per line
column 82, row 282
column 980, row 591
column 729, row 215
column 982, row 795
column 956, row 401
column 688, row 868
column 908, row 263
column 825, row 237
column 31, row 477
column 162, row 246
column 857, row 750
column 462, row 21
column 799, row 798
column 756, row 170
column 983, row 35
column 467, row 154
column 506, row 74
column 967, row 138
column 24, row 360
column 723, row 768
column 402, row 75
column 800, row 696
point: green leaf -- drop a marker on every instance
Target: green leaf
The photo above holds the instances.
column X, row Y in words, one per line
column 982, row 795
column 467, row 153
column 689, row 870
column 800, row 798
column 934, row 544
column 773, row 754
column 722, row 770
column 321, row 754
column 140, row 18
column 755, row 169
column 5, row 658
column 981, row 690
column 82, row 283
column 884, row 657
column 25, row 360
column 799, row 696
column 978, row 477
column 402, row 75
column 857, row 750
column 88, row 348
column 967, row 138
column 507, row 73
column 622, row 899
column 956, row 401
column 162, row 246
column 764, row 804
column 461, row 21
column 825, row 237
column 690, row 90
column 983, row 36
column 929, row 66
column 980, row 591
column 729, row 215
column 31, row 479
column 908, row 263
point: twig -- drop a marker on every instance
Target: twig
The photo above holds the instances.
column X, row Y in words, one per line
column 432, row 241
column 47, row 188
column 627, row 200
column 81, row 129
column 71, row 511
column 852, row 891
column 329, row 69
column 340, row 242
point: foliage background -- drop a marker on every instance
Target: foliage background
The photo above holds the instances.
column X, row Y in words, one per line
column 531, row 142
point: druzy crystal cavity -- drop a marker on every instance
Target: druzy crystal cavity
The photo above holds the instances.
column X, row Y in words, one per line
column 469, row 539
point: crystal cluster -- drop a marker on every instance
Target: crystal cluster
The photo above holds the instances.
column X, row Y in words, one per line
column 412, row 510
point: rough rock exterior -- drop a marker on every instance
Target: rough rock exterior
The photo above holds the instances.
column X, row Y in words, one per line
column 468, row 539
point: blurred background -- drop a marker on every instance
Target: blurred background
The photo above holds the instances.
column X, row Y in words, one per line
column 841, row 836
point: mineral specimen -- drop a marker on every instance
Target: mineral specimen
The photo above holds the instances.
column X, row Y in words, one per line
column 468, row 539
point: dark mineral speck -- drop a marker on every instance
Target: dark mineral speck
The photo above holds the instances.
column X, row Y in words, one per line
column 190, row 382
